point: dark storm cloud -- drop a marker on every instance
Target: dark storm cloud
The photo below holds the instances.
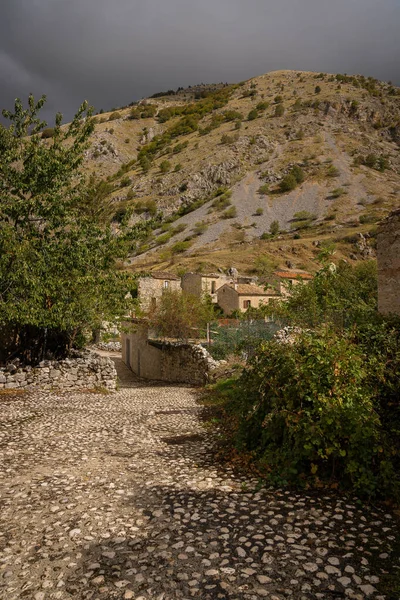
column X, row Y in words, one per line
column 113, row 52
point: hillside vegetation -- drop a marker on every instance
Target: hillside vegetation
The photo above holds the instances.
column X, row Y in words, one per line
column 257, row 175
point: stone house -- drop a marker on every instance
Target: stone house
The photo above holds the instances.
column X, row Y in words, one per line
column 281, row 279
column 151, row 287
column 241, row 296
column 388, row 255
column 200, row 285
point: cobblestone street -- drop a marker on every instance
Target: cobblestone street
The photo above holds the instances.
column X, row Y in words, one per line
column 116, row 496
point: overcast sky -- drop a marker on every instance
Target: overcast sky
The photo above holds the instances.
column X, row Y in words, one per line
column 112, row 52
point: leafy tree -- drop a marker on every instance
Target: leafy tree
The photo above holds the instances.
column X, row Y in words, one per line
column 253, row 114
column 288, row 183
column 165, row 166
column 274, row 228
column 58, row 276
column 181, row 316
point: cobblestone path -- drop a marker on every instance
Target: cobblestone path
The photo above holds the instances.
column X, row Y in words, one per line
column 116, row 496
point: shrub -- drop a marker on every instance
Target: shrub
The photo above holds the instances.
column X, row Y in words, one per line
column 317, row 89
column 178, row 167
column 279, row 110
column 278, row 99
column 332, row 171
column 253, row 114
column 298, row 174
column 306, row 410
column 165, row 166
column 304, row 215
column 231, row 213
column 288, row 183
column 181, row 247
column 259, row 212
column 127, row 140
column 48, row 133
column 200, row 228
column 262, row 106
column 338, row 192
column 274, row 228
column 115, row 115
column 264, row 189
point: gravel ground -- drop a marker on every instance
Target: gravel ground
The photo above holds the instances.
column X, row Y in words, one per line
column 117, row 496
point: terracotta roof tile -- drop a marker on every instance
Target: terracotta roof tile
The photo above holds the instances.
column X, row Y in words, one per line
column 293, row 275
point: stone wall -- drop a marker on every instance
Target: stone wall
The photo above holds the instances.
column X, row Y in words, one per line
column 388, row 254
column 85, row 371
column 174, row 362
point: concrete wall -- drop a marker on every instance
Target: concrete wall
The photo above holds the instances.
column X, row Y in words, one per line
column 172, row 362
column 151, row 289
column 388, row 254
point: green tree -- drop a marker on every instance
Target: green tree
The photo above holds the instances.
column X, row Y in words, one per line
column 253, row 114
column 58, row 276
column 274, row 228
column 165, row 166
column 181, row 316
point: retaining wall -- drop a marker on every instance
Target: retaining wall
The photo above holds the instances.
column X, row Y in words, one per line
column 86, row 371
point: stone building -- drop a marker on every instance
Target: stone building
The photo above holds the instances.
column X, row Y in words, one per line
column 241, row 296
column 151, row 287
column 388, row 254
column 282, row 279
column 200, row 285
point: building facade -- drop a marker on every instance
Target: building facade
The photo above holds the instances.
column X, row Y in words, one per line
column 242, row 296
column 152, row 287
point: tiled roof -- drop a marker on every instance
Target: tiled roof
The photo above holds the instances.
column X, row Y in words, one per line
column 293, row 275
column 163, row 275
column 246, row 289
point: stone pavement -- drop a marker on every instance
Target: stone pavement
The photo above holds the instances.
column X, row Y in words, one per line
column 117, row 496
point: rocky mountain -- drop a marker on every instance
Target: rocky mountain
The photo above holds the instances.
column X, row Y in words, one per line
column 257, row 175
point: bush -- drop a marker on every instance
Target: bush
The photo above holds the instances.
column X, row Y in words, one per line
column 48, row 133
column 317, row 89
column 274, row 228
column 279, row 110
column 262, row 106
column 259, row 212
column 115, row 115
column 333, row 171
column 231, row 213
column 165, row 166
column 288, row 183
column 306, row 410
column 253, row 114
column 264, row 189
column 181, row 247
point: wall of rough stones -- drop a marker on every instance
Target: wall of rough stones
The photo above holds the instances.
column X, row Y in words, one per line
column 85, row 371
column 174, row 362
column 388, row 254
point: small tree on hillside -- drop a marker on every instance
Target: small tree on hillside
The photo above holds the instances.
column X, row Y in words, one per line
column 181, row 316
column 58, row 277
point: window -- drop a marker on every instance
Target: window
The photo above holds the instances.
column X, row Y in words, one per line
column 166, row 285
column 246, row 303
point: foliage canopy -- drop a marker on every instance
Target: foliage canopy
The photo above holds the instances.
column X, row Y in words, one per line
column 58, row 276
